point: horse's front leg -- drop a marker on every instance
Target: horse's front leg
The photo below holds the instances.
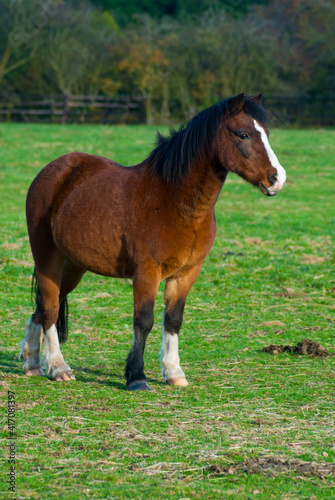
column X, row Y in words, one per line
column 145, row 288
column 176, row 291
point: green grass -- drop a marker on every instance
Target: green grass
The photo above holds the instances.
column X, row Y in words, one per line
column 268, row 279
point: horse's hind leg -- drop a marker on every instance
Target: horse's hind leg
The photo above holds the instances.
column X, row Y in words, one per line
column 56, row 366
column 53, row 285
column 175, row 294
column 47, row 309
column 41, row 322
column 31, row 346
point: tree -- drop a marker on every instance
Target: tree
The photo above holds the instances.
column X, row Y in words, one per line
column 317, row 31
column 178, row 9
column 144, row 61
column 21, row 24
column 178, row 64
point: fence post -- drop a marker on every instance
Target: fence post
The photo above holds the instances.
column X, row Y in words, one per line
column 66, row 107
column 23, row 115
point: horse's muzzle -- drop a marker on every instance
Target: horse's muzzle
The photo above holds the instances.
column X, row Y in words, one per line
column 276, row 185
column 267, row 191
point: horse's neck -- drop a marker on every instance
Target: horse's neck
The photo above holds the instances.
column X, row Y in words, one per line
column 199, row 190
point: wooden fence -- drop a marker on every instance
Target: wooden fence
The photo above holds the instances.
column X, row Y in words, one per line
column 74, row 109
column 293, row 110
column 304, row 111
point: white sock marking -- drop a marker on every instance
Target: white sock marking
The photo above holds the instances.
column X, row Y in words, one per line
column 31, row 345
column 170, row 358
column 273, row 159
column 33, row 339
column 52, row 354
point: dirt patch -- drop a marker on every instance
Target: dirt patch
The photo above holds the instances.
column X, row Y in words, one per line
column 273, row 323
column 11, row 246
column 290, row 292
column 306, row 347
column 313, row 259
column 274, row 466
column 254, row 241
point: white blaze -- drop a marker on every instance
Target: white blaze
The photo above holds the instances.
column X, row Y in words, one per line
column 273, row 159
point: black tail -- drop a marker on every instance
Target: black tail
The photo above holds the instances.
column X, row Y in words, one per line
column 34, row 289
column 62, row 321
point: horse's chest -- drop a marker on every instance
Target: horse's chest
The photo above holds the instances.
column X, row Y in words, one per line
column 187, row 249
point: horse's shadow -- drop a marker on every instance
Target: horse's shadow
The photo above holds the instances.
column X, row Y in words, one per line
column 85, row 374
column 81, row 375
column 12, row 365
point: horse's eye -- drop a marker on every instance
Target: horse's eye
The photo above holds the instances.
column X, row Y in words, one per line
column 243, row 137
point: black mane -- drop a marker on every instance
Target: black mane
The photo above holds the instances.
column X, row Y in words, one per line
column 171, row 158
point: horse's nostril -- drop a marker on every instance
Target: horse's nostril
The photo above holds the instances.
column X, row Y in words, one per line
column 273, row 178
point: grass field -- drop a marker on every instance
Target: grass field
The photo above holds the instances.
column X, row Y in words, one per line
column 249, row 425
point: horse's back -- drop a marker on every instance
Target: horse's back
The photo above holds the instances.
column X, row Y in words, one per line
column 68, row 174
column 74, row 166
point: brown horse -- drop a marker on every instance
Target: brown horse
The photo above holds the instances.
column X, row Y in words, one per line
column 151, row 222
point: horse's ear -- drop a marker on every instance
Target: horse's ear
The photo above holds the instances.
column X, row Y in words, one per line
column 258, row 98
column 236, row 105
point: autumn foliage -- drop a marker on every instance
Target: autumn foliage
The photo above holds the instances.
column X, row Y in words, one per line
column 177, row 63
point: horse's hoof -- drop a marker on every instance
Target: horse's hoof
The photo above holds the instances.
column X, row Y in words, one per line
column 64, row 376
column 139, row 385
column 34, row 372
column 178, row 382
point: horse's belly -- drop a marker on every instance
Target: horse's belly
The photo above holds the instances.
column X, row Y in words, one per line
column 88, row 243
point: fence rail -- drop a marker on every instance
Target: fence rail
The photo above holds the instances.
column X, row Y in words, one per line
column 74, row 109
column 305, row 111
column 296, row 110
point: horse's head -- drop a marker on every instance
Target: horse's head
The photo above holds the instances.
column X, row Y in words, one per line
column 249, row 153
